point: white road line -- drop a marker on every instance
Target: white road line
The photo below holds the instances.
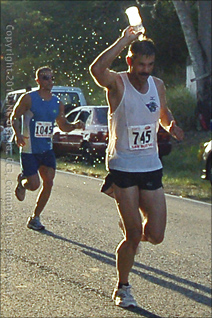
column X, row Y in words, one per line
column 99, row 179
column 169, row 195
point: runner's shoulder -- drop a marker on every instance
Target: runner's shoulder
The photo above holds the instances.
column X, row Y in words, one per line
column 25, row 100
column 115, row 80
column 158, row 80
column 159, row 83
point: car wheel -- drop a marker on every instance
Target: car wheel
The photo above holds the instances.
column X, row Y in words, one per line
column 86, row 154
column 209, row 169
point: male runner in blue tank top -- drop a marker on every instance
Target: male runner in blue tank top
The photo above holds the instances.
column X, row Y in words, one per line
column 137, row 104
column 39, row 110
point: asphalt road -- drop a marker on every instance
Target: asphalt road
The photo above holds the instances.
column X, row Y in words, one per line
column 68, row 270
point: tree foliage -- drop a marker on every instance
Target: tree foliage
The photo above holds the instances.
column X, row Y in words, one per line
column 68, row 35
column 199, row 47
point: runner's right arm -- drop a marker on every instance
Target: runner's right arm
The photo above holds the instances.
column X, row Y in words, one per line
column 22, row 105
column 100, row 71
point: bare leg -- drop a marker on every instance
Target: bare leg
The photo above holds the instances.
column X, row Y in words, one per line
column 127, row 201
column 47, row 174
column 32, row 183
column 153, row 207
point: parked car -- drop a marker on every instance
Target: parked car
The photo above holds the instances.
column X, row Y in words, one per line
column 207, row 157
column 91, row 143
column 71, row 97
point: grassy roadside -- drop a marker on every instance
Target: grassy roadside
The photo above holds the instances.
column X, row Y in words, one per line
column 182, row 168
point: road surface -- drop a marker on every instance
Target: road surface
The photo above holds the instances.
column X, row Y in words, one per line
column 68, row 270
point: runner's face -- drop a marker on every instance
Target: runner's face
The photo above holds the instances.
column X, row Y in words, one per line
column 142, row 66
column 46, row 80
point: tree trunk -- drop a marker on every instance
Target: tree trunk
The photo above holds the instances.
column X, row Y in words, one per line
column 200, row 53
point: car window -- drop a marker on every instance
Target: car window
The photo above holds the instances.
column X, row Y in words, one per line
column 100, row 116
column 84, row 116
column 89, row 119
column 70, row 100
column 72, row 116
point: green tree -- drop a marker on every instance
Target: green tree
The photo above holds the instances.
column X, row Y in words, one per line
column 195, row 27
column 68, row 35
column 199, row 47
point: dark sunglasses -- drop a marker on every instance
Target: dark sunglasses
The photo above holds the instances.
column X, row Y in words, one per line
column 46, row 78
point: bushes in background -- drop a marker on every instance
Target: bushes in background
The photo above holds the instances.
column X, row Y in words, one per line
column 183, row 107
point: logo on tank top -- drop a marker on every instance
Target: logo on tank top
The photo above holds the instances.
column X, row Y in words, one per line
column 152, row 105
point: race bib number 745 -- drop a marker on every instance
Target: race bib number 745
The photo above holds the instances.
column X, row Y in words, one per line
column 141, row 137
column 43, row 129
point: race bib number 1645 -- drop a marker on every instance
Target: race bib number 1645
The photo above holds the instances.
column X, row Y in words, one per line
column 141, row 137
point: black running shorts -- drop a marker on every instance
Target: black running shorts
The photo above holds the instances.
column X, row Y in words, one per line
column 144, row 180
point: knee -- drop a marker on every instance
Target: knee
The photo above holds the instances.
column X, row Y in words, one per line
column 133, row 237
column 156, row 238
column 154, row 234
column 48, row 183
column 33, row 185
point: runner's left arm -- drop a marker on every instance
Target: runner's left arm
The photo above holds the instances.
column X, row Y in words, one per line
column 64, row 124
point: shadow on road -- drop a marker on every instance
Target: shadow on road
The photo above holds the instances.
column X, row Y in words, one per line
column 142, row 312
column 109, row 259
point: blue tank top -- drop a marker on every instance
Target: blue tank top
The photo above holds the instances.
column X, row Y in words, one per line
column 38, row 123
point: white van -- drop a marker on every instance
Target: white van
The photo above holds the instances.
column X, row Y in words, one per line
column 71, row 97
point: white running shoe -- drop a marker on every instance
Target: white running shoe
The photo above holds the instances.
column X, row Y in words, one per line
column 123, row 298
column 35, row 224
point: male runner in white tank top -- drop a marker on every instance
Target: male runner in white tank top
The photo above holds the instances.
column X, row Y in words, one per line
column 137, row 104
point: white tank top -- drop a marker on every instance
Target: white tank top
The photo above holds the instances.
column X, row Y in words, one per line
column 133, row 130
